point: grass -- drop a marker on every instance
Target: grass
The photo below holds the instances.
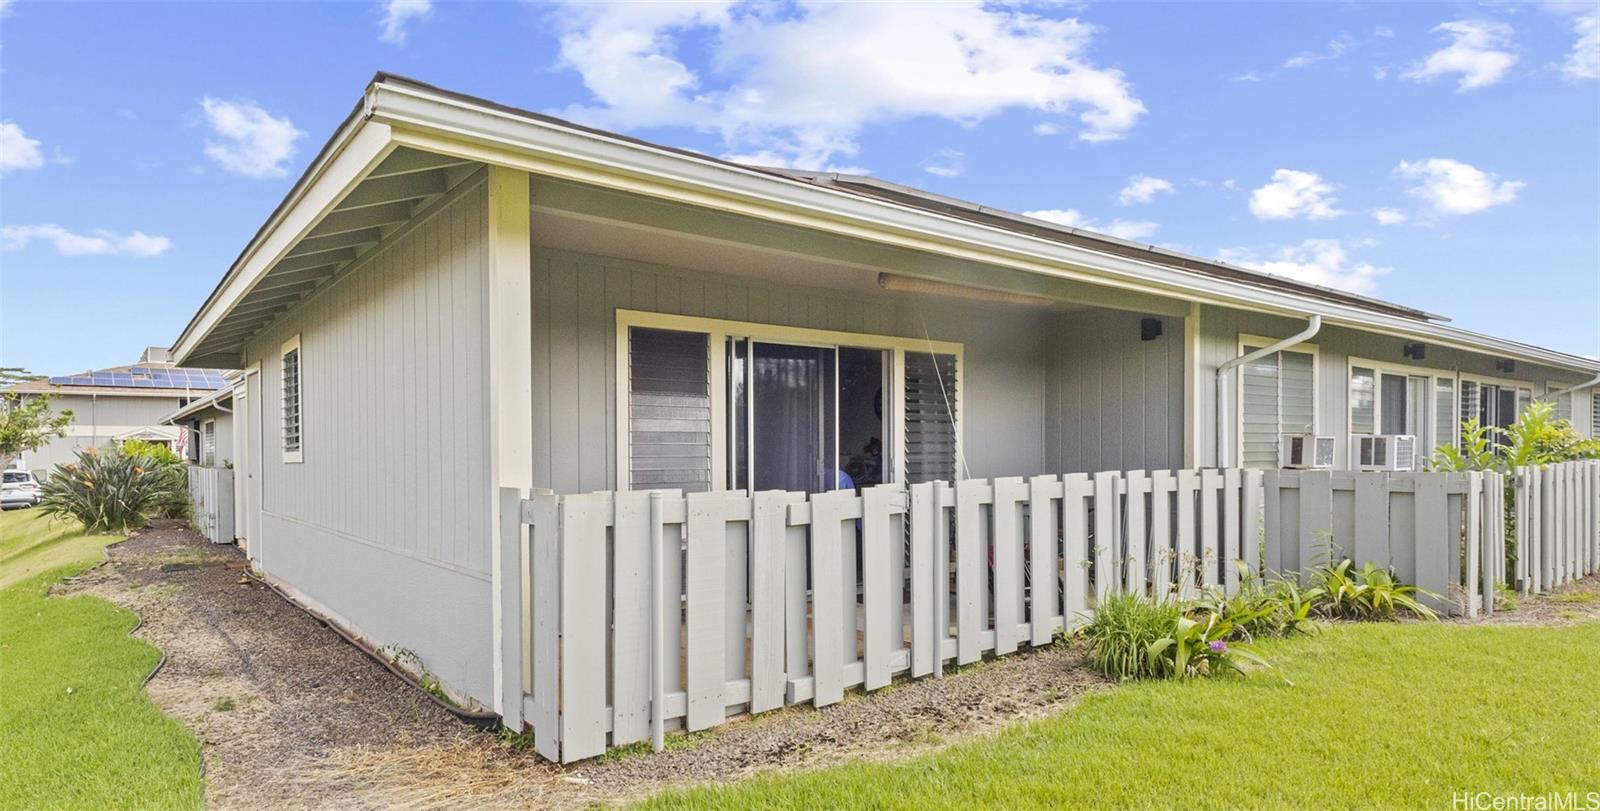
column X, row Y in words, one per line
column 1380, row 715
column 76, row 727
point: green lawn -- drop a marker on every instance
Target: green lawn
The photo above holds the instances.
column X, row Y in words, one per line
column 76, row 728
column 1379, row 716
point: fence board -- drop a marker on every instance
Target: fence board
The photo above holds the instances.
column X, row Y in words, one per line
column 1231, row 554
column 878, row 507
column 1107, row 545
column 706, row 610
column 1372, row 518
column 1075, row 547
column 1210, row 543
column 769, row 526
column 1188, row 550
column 971, row 568
column 584, row 718
column 1044, row 576
column 1474, row 541
column 1163, row 549
column 1433, row 538
column 630, row 628
column 1251, row 538
column 1009, row 493
column 829, row 512
column 1135, row 570
column 924, row 649
column 1316, row 517
column 544, row 541
column 1272, row 520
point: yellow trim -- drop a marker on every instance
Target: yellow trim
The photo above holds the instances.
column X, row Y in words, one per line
column 719, row 330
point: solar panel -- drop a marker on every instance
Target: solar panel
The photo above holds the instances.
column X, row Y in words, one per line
column 147, row 377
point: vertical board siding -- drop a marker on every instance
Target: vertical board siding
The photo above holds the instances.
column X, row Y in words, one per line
column 393, row 402
column 1115, row 402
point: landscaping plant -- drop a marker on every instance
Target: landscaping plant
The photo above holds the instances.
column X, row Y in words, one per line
column 1201, row 647
column 1123, row 628
column 113, row 490
column 1368, row 593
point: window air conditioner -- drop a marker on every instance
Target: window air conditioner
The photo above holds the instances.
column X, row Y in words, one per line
column 1304, row 451
column 1394, row 452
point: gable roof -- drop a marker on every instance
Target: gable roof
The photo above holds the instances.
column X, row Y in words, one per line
column 400, row 118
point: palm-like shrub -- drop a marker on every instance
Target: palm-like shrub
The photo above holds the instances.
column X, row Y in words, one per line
column 112, row 490
column 1368, row 593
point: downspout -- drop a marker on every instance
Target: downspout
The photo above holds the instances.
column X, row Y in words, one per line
column 1223, row 440
column 1570, row 389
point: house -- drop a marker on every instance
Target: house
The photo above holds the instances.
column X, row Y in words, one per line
column 116, row 404
column 459, row 296
column 208, row 425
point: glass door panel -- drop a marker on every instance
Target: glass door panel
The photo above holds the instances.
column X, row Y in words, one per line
column 793, row 437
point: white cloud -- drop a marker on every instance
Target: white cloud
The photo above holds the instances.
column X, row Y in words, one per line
column 1248, row 76
column 1381, row 72
column 1453, row 187
column 98, row 243
column 17, row 150
column 946, row 163
column 1336, row 47
column 1388, row 216
column 5, row 7
column 1293, row 194
column 250, row 141
column 1143, row 189
column 1072, row 218
column 1383, row 32
column 1322, row 262
column 1480, row 51
column 801, row 83
column 1584, row 60
column 1046, row 128
column 396, row 13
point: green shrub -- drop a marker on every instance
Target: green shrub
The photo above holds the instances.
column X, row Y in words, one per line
column 1201, row 646
column 113, row 491
column 1368, row 593
column 1274, row 607
column 1122, row 630
column 159, row 454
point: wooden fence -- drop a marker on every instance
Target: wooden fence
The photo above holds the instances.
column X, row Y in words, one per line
column 1556, row 524
column 1443, row 532
column 623, row 613
column 211, row 498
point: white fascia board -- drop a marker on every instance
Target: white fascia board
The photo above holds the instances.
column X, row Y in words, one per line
column 362, row 146
column 199, row 405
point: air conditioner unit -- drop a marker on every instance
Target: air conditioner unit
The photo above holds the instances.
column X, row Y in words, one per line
column 1303, row 451
column 1397, row 452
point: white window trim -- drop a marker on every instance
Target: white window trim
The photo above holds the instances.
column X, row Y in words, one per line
column 1261, row 341
column 719, row 330
column 295, row 456
column 1381, row 367
column 208, row 427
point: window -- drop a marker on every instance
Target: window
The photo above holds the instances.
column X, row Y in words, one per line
column 717, row 404
column 1493, row 404
column 1389, row 399
column 292, row 427
column 1563, row 403
column 208, row 443
column 1594, row 416
column 1278, row 394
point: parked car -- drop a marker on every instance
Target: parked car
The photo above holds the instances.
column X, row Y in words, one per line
column 19, row 489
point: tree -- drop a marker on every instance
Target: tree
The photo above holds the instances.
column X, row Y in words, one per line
column 26, row 423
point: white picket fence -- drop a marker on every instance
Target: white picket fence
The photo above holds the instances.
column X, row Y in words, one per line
column 211, row 498
column 1557, row 524
column 622, row 614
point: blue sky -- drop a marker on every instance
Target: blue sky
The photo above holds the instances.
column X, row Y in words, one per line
column 1440, row 155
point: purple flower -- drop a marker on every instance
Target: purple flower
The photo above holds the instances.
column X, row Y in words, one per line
column 1219, row 646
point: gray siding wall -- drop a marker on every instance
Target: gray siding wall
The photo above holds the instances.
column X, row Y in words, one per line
column 95, row 421
column 1114, row 402
column 385, row 523
column 1218, row 342
column 576, row 296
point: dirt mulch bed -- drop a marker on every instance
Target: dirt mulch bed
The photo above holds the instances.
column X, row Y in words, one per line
column 1578, row 601
column 289, row 715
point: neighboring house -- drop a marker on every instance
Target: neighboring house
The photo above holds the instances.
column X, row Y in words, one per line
column 116, row 404
column 209, row 427
column 459, row 296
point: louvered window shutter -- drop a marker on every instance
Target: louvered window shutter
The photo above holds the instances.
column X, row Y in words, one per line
column 930, row 412
column 669, row 410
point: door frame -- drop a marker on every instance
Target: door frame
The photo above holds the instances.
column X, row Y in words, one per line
column 719, row 331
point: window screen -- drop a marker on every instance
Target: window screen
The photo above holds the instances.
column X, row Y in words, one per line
column 669, row 410
column 1469, row 404
column 291, row 398
column 1563, row 403
column 1444, row 424
column 1363, row 401
column 930, row 409
column 208, row 443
